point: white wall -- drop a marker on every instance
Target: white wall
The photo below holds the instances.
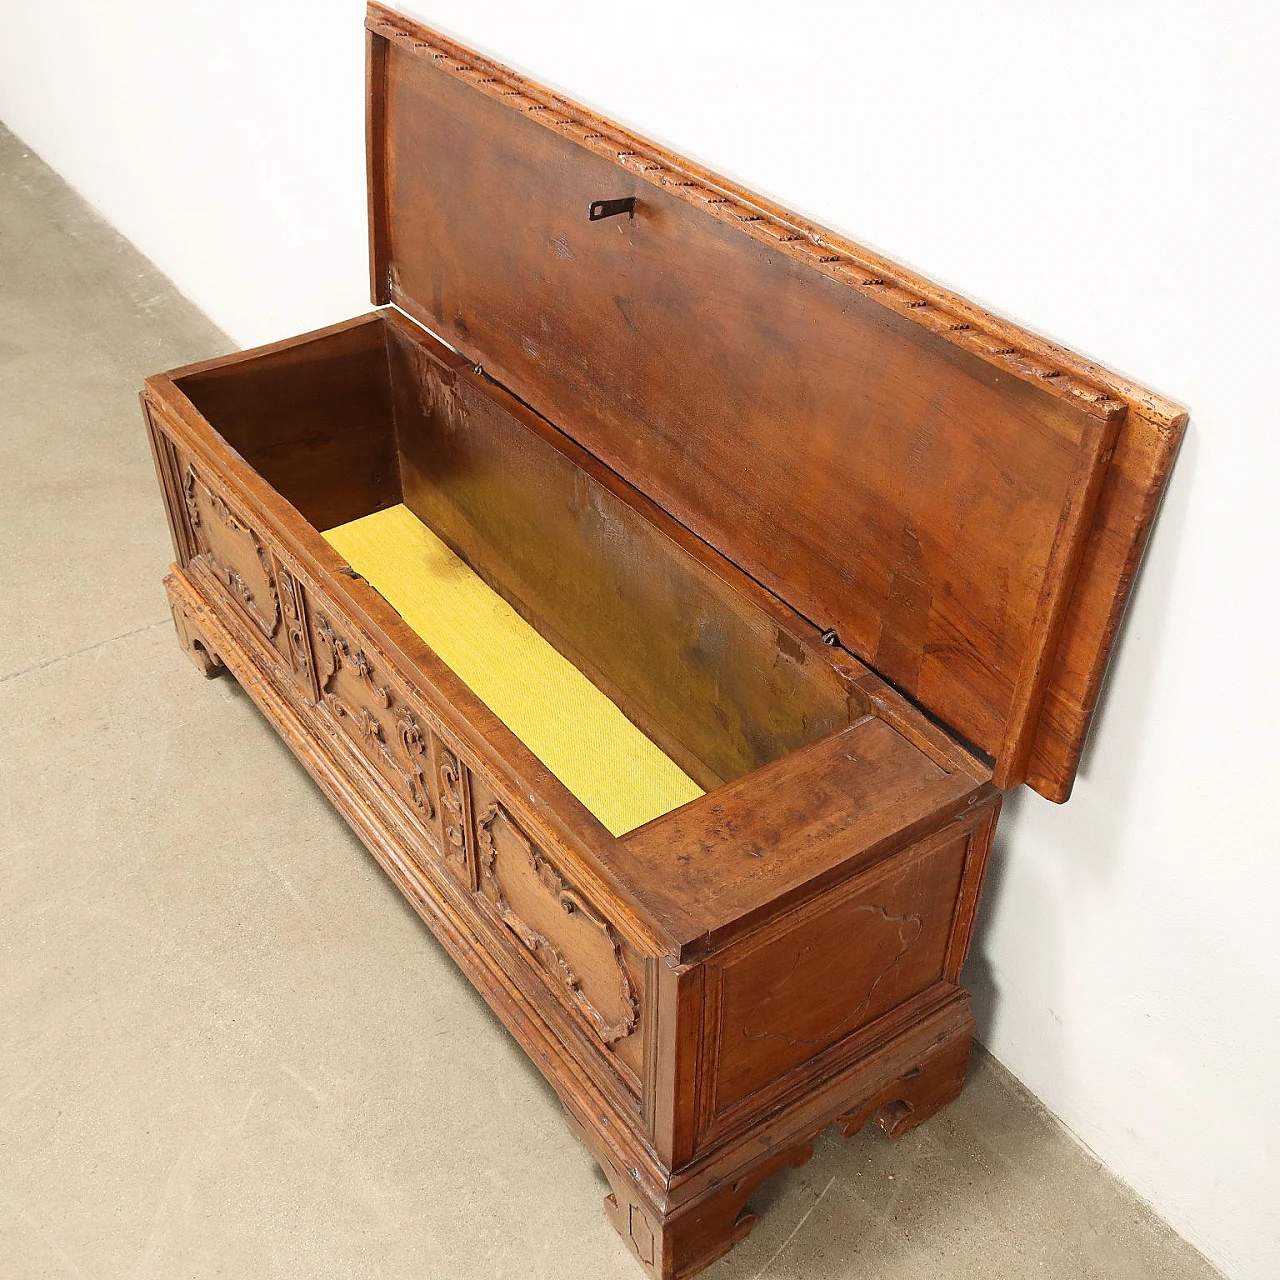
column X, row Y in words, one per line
column 1104, row 173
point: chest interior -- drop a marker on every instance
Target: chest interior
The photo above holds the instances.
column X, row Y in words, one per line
column 641, row 668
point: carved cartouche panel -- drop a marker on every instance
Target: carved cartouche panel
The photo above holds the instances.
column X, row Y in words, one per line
column 379, row 721
column 830, row 968
column 232, row 552
column 572, row 940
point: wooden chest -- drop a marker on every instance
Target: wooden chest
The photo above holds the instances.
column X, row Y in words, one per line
column 665, row 590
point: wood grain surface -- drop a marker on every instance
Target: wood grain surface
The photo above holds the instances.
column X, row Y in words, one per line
column 851, row 550
column 963, row 503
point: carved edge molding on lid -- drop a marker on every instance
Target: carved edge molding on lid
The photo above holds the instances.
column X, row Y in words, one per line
column 573, row 904
column 1025, row 355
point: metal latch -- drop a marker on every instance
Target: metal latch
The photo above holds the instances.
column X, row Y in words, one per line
column 611, row 208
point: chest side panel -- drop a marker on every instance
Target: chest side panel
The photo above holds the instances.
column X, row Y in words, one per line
column 801, row 998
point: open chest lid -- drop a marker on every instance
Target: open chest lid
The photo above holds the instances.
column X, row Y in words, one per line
column 962, row 504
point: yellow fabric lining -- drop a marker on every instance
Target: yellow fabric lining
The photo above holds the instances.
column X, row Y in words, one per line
column 618, row 773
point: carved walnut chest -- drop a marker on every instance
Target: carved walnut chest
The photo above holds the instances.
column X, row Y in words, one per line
column 665, row 590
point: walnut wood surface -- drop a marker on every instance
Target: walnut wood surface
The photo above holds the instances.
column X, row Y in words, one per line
column 713, row 868
column 962, row 502
column 313, row 420
column 722, row 432
column 845, row 873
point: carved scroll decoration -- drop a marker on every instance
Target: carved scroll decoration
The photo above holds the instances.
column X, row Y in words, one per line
column 266, row 617
column 367, row 727
column 295, row 624
column 452, row 813
column 340, row 657
column 189, row 497
column 413, row 742
column 572, row 903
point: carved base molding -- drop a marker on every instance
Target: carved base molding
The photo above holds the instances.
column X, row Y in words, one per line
column 705, row 1211
column 192, row 635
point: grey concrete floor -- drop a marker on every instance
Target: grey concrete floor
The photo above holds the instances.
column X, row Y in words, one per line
column 227, row 1047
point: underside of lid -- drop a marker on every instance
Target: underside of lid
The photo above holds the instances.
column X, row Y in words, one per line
column 961, row 502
